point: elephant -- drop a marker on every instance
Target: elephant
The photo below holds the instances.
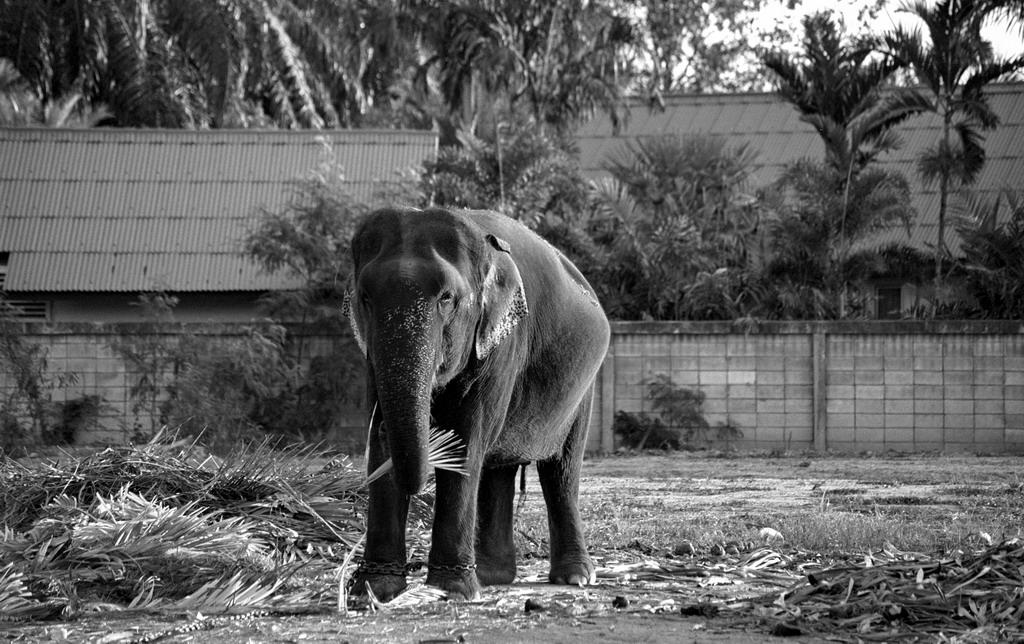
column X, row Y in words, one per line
column 470, row 320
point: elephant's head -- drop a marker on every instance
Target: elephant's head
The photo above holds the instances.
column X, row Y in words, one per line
column 432, row 293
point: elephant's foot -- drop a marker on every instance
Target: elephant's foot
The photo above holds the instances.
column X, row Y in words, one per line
column 460, row 582
column 575, row 571
column 498, row 571
column 385, row 587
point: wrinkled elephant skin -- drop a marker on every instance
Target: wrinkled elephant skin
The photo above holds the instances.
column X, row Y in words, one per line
column 472, row 322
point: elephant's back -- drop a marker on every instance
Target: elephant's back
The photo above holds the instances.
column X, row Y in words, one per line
column 546, row 271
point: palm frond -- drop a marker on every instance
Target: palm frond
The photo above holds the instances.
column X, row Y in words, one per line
column 155, row 528
column 415, row 594
column 241, row 590
column 15, row 598
column 445, row 451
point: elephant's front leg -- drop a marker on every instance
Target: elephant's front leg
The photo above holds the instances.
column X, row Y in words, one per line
column 495, row 548
column 452, row 561
column 384, row 556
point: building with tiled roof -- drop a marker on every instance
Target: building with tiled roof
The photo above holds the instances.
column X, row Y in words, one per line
column 772, row 129
column 90, row 218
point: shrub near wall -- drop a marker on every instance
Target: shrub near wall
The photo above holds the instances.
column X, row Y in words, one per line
column 843, row 386
column 321, row 403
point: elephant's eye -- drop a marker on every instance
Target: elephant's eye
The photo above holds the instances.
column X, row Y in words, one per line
column 446, row 299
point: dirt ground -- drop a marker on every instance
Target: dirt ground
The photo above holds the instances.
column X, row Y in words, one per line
column 647, row 589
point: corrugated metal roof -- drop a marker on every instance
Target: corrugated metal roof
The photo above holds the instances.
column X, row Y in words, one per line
column 134, row 210
column 772, row 128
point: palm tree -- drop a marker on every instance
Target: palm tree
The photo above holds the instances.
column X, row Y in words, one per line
column 954, row 63
column 815, row 257
column 675, row 230
column 19, row 107
column 1010, row 10
column 993, row 245
column 181, row 63
column 836, row 88
column 556, row 62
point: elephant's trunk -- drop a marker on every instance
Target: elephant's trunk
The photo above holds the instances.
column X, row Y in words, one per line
column 404, row 370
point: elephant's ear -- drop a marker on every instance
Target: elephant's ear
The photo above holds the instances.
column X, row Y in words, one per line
column 346, row 310
column 502, row 301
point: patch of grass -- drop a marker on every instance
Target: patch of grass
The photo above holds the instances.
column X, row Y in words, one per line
column 965, row 490
column 844, row 532
column 904, row 500
column 846, row 491
column 642, row 505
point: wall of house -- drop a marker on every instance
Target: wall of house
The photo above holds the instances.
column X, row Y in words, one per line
column 841, row 386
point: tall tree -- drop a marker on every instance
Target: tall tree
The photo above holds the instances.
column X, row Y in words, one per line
column 697, row 46
column 557, row 61
column 181, row 63
column 954, row 62
column 819, row 263
column 835, row 86
column 20, row 107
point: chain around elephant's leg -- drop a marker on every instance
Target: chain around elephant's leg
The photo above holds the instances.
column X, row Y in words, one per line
column 383, row 567
column 386, row 580
column 451, row 565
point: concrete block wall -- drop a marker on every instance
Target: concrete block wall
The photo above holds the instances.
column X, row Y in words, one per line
column 841, row 386
column 950, row 391
column 762, row 384
column 81, row 362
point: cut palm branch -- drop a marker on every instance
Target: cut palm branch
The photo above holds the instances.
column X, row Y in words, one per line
column 15, row 600
column 445, row 451
column 158, row 528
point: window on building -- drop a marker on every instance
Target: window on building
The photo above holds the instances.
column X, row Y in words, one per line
column 889, row 301
column 26, row 310
column 30, row 310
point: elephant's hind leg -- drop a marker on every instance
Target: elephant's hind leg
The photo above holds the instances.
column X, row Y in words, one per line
column 560, row 481
column 495, row 549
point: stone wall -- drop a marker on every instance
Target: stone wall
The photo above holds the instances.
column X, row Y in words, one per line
column 841, row 386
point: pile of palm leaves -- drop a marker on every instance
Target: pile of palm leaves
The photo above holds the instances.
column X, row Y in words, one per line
column 160, row 528
column 893, row 595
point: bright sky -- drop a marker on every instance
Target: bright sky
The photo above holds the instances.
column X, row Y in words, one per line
column 1007, row 42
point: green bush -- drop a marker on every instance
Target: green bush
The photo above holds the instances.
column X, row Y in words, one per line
column 514, row 167
column 27, row 410
column 213, row 387
column 75, row 417
column 678, row 421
